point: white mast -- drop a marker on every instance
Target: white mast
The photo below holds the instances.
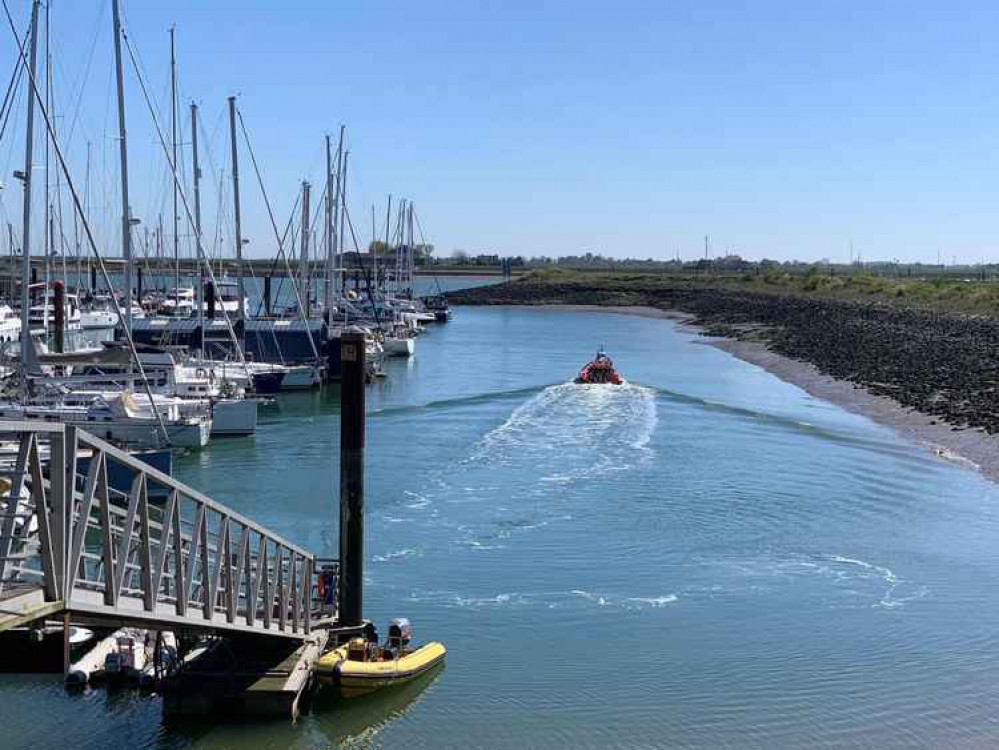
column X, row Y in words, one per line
column 173, row 142
column 26, row 227
column 126, row 221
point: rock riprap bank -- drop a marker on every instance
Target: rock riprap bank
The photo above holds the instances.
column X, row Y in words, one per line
column 944, row 365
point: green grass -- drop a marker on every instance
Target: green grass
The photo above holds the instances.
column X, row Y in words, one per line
column 626, row 287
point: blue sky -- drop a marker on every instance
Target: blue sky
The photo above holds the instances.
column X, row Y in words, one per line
column 780, row 129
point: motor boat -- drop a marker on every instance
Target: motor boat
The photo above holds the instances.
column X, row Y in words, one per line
column 362, row 666
column 600, row 371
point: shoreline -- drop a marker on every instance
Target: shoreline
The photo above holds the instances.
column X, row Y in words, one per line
column 968, row 447
column 640, row 311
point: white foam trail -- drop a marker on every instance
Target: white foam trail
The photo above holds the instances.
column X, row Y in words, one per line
column 575, row 431
column 395, row 555
column 885, row 573
column 658, row 601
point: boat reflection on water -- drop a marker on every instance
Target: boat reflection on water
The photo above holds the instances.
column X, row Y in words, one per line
column 341, row 719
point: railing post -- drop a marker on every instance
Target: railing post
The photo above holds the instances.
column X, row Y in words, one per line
column 58, row 471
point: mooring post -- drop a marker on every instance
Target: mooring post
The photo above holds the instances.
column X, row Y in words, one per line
column 59, row 324
column 352, row 355
column 210, row 299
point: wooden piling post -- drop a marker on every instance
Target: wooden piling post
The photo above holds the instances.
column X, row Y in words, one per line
column 352, row 367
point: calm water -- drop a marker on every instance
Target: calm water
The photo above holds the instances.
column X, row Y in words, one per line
column 706, row 557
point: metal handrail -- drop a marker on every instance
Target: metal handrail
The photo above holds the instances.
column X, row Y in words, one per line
column 119, row 556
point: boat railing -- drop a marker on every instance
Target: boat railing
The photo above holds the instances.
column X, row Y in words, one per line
column 109, row 538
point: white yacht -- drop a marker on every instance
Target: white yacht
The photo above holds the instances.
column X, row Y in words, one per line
column 10, row 326
column 179, row 303
column 122, row 419
column 41, row 313
column 98, row 313
column 193, row 389
column 226, row 298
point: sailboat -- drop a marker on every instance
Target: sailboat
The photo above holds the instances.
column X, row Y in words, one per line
column 122, row 417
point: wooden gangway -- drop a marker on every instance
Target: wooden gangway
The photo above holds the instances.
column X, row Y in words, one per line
column 155, row 553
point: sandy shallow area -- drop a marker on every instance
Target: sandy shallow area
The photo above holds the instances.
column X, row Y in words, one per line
column 971, row 448
column 641, row 312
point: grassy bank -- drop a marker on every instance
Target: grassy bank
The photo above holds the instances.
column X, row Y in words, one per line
column 955, row 296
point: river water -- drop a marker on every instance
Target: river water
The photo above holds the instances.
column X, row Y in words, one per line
column 703, row 557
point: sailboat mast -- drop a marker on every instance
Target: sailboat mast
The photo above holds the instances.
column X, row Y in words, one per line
column 330, row 198
column 48, row 203
column 338, row 211
column 173, row 165
column 374, row 249
column 388, row 215
column 197, row 225
column 235, row 201
column 343, row 199
column 86, row 203
column 126, row 222
column 26, row 227
column 412, row 250
column 303, row 261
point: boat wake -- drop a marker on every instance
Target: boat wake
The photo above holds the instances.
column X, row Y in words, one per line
column 569, row 432
column 534, row 460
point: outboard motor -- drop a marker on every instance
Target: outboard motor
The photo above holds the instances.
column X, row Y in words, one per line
column 400, row 633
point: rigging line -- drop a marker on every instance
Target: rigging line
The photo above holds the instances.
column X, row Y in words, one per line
column 366, row 271
column 86, row 226
column 182, row 194
column 12, row 88
column 423, row 240
column 83, row 76
column 289, row 229
column 277, row 256
column 277, row 344
column 270, row 214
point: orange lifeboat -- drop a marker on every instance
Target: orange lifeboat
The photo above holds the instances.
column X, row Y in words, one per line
column 599, row 371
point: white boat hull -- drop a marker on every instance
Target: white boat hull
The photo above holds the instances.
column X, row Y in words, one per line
column 399, row 347
column 300, row 378
column 234, row 417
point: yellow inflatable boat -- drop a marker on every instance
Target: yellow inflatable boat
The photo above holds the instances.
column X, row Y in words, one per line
column 360, row 666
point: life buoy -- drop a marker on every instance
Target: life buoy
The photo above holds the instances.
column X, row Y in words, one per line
column 201, row 372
